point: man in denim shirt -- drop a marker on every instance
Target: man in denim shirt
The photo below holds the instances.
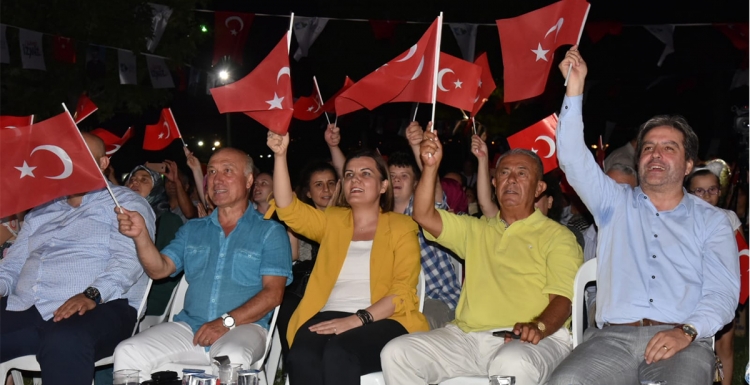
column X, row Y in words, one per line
column 237, row 266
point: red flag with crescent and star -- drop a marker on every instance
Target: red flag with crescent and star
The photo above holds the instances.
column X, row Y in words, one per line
column 486, row 83
column 112, row 142
column 42, row 162
column 84, row 108
column 330, row 105
column 265, row 94
column 744, row 267
column 457, row 82
column 160, row 135
column 8, row 121
column 230, row 35
column 529, row 42
column 407, row 78
column 309, row 107
column 540, row 138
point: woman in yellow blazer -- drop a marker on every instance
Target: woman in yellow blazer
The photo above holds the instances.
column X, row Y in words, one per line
column 362, row 291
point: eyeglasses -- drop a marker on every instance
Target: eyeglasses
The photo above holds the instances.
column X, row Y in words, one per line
column 713, row 190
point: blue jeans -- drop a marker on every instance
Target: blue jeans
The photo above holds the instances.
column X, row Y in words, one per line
column 615, row 356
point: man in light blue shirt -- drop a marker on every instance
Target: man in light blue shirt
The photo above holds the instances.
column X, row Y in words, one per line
column 237, row 266
column 668, row 272
column 72, row 284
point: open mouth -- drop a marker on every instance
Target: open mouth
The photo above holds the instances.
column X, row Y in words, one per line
column 356, row 190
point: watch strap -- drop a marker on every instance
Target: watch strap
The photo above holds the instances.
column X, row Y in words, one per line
column 224, row 321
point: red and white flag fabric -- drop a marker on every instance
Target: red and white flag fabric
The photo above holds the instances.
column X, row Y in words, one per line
column 407, row 78
column 265, row 94
column 330, row 104
column 112, row 142
column 230, row 35
column 539, row 138
column 457, row 81
column 486, row 84
column 309, row 107
column 8, row 121
column 160, row 135
column 744, row 268
column 64, row 49
column 529, row 41
column 84, row 108
column 42, row 162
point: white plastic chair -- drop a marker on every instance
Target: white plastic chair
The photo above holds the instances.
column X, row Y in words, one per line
column 30, row 364
column 586, row 274
column 265, row 366
column 152, row 320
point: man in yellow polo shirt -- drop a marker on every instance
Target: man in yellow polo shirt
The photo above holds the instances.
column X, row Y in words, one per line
column 520, row 268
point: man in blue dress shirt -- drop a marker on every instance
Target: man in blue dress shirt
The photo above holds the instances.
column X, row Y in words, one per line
column 668, row 272
column 71, row 283
column 237, row 266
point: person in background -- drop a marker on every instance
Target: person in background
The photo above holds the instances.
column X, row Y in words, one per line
column 624, row 155
column 262, row 189
column 704, row 184
column 198, row 181
column 362, row 292
column 178, row 191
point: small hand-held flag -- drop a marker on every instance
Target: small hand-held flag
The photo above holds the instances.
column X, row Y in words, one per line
column 486, row 84
column 309, row 107
column 112, row 142
column 539, row 138
column 84, row 108
column 160, row 135
column 8, row 121
column 457, row 82
column 330, row 104
column 744, row 268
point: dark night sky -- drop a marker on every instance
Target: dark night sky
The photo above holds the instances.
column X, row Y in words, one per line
column 621, row 67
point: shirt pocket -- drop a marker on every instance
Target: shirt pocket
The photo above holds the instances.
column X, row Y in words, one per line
column 196, row 259
column 246, row 267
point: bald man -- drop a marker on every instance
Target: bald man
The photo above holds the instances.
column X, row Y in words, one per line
column 71, row 284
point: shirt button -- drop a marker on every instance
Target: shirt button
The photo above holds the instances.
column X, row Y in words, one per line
column 566, row 107
column 653, row 277
column 214, row 300
column 650, row 300
column 653, row 256
column 657, row 214
column 656, row 236
column 218, row 277
column 645, row 197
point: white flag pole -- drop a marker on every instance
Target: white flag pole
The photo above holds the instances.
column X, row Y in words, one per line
column 289, row 33
column 416, row 108
column 320, row 99
column 580, row 32
column 106, row 183
column 32, row 119
column 176, row 127
column 435, row 69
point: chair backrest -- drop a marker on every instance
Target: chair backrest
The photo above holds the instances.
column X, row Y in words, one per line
column 269, row 337
column 586, row 274
column 421, row 290
column 178, row 298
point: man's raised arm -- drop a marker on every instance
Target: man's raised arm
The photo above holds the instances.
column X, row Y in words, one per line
column 155, row 264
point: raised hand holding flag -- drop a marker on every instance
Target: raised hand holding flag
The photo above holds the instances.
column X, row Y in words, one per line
column 539, row 138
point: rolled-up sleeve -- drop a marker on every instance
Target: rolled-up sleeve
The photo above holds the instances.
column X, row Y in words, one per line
column 276, row 258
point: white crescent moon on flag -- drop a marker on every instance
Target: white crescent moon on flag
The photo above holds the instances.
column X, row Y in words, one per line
column 317, row 104
column 283, row 71
column 64, row 158
column 440, row 78
column 167, row 126
column 409, row 54
column 556, row 28
column 242, row 24
column 550, row 142
column 419, row 69
column 110, row 152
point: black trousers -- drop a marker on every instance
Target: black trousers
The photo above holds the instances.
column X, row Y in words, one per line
column 330, row 359
column 288, row 306
column 66, row 350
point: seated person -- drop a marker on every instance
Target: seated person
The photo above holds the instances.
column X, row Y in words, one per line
column 667, row 266
column 520, row 267
column 362, row 292
column 71, row 283
column 237, row 266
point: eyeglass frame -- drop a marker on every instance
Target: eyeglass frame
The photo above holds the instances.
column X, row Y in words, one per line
column 696, row 192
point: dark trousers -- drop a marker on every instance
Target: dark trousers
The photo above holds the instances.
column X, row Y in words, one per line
column 288, row 306
column 66, row 350
column 330, row 359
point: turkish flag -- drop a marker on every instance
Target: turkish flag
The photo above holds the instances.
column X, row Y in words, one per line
column 458, row 82
column 42, row 162
column 744, row 268
column 407, row 78
column 540, row 138
column 230, row 35
column 160, row 135
column 486, row 84
column 64, row 49
column 112, row 142
column 330, row 105
column 265, row 94
column 529, row 41
column 8, row 121
column 309, row 107
column 84, row 108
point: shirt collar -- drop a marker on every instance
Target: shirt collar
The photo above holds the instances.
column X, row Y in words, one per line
column 534, row 220
column 247, row 216
column 686, row 202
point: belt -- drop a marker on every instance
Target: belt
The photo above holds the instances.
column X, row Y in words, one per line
column 643, row 322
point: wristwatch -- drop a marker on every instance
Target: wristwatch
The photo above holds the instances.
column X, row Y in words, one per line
column 541, row 326
column 228, row 321
column 689, row 331
column 93, row 294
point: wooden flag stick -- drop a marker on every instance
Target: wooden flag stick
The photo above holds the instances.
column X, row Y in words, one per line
column 435, row 69
column 474, row 125
column 320, row 99
column 289, row 33
column 106, row 183
column 416, row 108
column 176, row 127
column 580, row 32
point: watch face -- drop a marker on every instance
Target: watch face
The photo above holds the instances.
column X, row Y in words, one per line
column 689, row 330
column 229, row 321
column 91, row 293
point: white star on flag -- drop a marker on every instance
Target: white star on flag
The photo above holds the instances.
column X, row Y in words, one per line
column 480, row 83
column 540, row 53
column 458, row 83
column 26, row 170
column 276, row 102
column 234, row 32
column 309, row 109
column 161, row 136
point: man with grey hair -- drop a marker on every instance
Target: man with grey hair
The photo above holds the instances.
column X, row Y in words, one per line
column 520, row 267
column 237, row 265
column 667, row 272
